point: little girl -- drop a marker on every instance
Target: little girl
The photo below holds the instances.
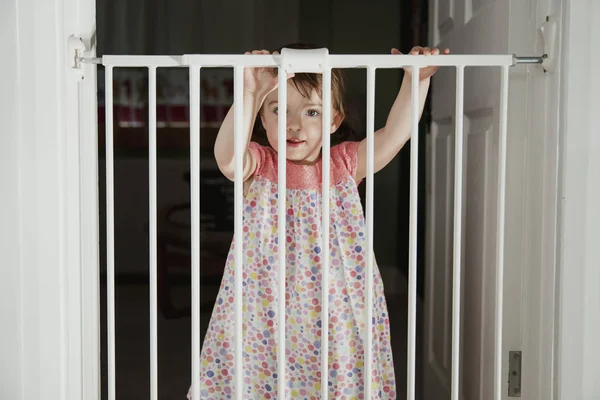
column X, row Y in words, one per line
column 347, row 241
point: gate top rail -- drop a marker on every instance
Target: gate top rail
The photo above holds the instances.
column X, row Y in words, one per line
column 333, row 60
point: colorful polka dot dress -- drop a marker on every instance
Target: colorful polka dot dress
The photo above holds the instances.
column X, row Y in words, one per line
column 304, row 319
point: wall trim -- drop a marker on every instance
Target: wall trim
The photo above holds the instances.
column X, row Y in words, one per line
column 578, row 250
column 52, row 197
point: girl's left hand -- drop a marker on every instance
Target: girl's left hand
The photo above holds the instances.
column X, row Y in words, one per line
column 425, row 72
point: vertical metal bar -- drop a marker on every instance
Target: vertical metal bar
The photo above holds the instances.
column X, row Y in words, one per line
column 195, row 223
column 500, row 239
column 325, row 232
column 238, row 228
column 412, row 274
column 370, row 204
column 153, row 232
column 456, row 270
column 281, row 215
column 110, row 232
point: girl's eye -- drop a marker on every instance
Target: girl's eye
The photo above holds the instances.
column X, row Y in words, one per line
column 275, row 110
column 313, row 113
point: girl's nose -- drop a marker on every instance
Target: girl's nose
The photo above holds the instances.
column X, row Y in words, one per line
column 293, row 124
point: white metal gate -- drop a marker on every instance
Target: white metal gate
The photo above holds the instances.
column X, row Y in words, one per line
column 315, row 61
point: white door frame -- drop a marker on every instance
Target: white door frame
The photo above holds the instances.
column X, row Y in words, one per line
column 562, row 301
column 577, row 347
column 540, row 213
column 49, row 219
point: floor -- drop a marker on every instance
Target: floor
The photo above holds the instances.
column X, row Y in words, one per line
column 174, row 340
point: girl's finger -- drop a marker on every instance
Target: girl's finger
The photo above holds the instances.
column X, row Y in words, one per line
column 435, row 51
column 416, row 50
column 396, row 51
column 427, row 51
column 447, row 51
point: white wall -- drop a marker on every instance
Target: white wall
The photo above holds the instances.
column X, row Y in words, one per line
column 41, row 232
column 578, row 334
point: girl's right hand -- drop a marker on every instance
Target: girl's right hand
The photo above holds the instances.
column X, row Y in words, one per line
column 261, row 81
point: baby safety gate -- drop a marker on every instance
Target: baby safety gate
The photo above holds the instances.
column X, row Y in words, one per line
column 315, row 61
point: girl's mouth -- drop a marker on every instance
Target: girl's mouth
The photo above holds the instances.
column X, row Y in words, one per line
column 294, row 142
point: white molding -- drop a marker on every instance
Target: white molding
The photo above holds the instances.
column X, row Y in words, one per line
column 49, row 144
column 11, row 360
column 578, row 275
column 540, row 218
column 89, row 199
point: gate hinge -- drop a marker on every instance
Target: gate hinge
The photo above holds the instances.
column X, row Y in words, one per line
column 514, row 374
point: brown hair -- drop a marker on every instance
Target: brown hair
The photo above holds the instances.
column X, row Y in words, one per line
column 305, row 83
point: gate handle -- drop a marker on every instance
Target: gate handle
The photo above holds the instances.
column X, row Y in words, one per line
column 304, row 60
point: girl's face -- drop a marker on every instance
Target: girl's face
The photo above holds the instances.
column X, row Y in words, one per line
column 304, row 124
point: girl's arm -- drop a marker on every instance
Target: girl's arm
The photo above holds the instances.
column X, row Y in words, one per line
column 224, row 144
column 397, row 130
column 258, row 83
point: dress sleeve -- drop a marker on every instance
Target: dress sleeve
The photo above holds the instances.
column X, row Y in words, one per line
column 262, row 157
column 345, row 155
